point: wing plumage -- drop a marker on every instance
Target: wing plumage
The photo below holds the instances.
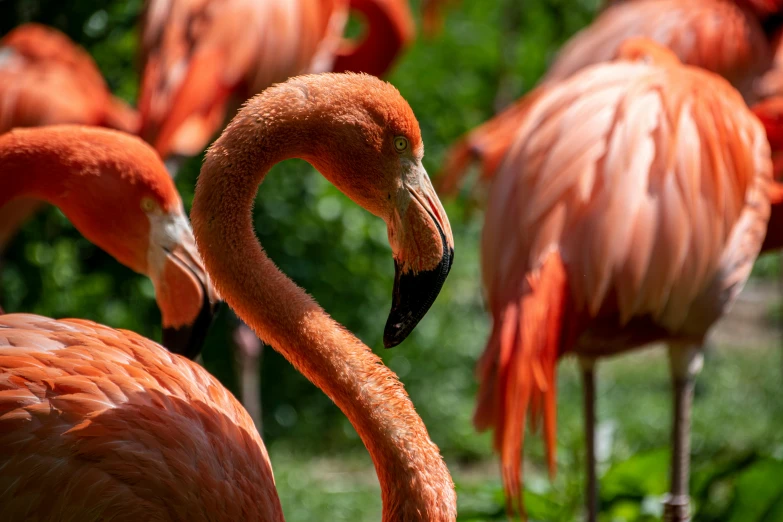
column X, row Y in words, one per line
column 624, row 169
column 196, row 53
column 99, row 424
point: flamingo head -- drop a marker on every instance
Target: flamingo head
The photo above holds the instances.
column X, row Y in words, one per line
column 125, row 202
column 369, row 145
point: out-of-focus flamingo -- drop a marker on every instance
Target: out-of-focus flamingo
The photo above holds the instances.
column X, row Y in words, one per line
column 717, row 35
column 629, row 210
column 137, row 430
column 46, row 79
column 199, row 56
column 116, row 191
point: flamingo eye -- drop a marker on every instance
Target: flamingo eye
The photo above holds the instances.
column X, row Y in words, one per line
column 147, row 205
column 400, row 143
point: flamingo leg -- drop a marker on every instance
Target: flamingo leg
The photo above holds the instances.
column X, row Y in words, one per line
column 685, row 362
column 248, row 352
column 587, row 365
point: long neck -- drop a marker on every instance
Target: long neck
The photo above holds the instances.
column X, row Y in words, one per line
column 389, row 29
column 415, row 483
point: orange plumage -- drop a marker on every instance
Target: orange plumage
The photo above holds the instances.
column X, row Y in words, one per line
column 629, row 210
column 202, row 58
column 101, row 424
column 46, row 79
column 716, row 35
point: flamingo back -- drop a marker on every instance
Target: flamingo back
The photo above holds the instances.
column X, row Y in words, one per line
column 195, row 54
column 716, row 35
column 652, row 228
column 103, row 424
column 634, row 201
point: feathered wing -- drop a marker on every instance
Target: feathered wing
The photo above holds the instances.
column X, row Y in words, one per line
column 139, row 433
column 715, row 35
column 712, row 34
column 197, row 53
column 630, row 191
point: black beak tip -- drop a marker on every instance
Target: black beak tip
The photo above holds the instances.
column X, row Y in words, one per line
column 412, row 297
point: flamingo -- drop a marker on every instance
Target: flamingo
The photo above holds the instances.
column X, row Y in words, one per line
column 142, row 434
column 717, row 35
column 117, row 193
column 200, row 55
column 629, row 210
column 46, row 79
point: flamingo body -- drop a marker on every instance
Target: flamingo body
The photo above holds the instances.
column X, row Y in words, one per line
column 629, row 210
column 107, row 425
column 46, row 79
column 716, row 35
column 197, row 53
column 202, row 58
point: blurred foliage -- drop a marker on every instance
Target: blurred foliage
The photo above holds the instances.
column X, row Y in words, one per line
column 488, row 54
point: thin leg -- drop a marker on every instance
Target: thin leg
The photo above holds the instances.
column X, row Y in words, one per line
column 249, row 350
column 591, row 489
column 686, row 362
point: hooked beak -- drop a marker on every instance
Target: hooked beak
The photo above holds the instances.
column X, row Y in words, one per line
column 423, row 253
column 186, row 298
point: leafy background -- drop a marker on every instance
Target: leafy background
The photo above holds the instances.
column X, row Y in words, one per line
column 488, row 54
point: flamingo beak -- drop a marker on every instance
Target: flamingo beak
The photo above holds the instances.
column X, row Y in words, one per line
column 186, row 298
column 423, row 253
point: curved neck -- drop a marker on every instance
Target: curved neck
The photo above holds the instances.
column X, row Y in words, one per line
column 415, row 483
column 389, row 29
